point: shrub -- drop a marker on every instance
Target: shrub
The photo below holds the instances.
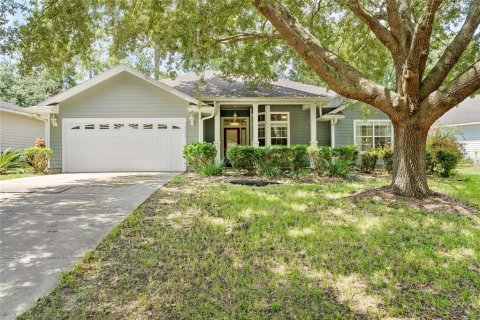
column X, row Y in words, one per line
column 10, row 160
column 348, row 153
column 340, row 168
column 444, row 152
column 244, row 158
column 369, row 161
column 320, row 158
column 199, row 154
column 212, row 169
column 387, row 157
column 274, row 161
column 446, row 161
column 37, row 157
column 298, row 159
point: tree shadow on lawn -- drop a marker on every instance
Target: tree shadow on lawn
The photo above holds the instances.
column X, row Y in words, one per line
column 276, row 252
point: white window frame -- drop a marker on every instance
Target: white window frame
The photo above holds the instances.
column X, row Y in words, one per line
column 287, row 122
column 373, row 121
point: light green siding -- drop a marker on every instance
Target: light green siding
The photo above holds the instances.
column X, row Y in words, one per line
column 300, row 126
column 122, row 96
column 344, row 130
column 19, row 131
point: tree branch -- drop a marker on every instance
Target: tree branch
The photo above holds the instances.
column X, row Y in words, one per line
column 419, row 50
column 338, row 74
column 382, row 33
column 453, row 52
column 249, row 36
column 440, row 101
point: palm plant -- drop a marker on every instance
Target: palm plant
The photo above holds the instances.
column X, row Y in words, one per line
column 10, row 159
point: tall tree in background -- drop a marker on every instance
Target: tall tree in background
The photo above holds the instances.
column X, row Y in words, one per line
column 412, row 59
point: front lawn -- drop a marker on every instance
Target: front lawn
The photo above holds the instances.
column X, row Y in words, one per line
column 205, row 249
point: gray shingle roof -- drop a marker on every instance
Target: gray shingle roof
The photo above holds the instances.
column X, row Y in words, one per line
column 7, row 106
column 216, row 86
column 467, row 111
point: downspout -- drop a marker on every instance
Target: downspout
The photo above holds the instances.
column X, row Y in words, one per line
column 201, row 123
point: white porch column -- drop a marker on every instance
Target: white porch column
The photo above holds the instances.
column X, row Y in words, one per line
column 268, row 126
column 255, row 125
column 200, row 126
column 217, row 141
column 313, row 125
column 333, row 122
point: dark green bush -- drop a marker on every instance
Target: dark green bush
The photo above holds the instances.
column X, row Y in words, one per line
column 387, row 157
column 446, row 161
column 348, row 153
column 320, row 158
column 274, row 160
column 368, row 161
column 199, row 154
column 244, row 158
column 298, row 159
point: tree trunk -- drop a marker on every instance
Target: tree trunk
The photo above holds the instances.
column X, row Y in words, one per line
column 409, row 161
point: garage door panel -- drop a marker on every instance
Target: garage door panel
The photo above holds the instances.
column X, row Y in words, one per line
column 95, row 145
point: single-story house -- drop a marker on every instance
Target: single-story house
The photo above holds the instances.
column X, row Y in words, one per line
column 122, row 120
column 18, row 128
column 465, row 120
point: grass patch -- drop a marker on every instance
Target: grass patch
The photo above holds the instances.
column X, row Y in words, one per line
column 16, row 175
column 203, row 249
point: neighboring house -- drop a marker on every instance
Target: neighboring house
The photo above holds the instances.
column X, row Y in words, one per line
column 465, row 118
column 121, row 120
column 18, row 128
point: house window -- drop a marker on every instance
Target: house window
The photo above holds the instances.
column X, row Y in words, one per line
column 372, row 134
column 279, row 129
column 89, row 126
column 261, row 134
column 118, row 125
column 104, row 126
column 162, row 126
column 147, row 126
column 133, row 125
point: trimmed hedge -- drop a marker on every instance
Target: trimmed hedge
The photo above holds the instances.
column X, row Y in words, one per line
column 320, row 158
column 200, row 154
column 37, row 158
column 244, row 158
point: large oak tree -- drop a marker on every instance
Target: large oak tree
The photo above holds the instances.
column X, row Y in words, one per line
column 412, row 59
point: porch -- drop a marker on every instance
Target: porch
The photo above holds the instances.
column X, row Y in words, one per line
column 265, row 123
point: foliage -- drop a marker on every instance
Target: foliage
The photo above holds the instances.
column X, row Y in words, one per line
column 444, row 151
column 320, row 158
column 340, row 168
column 212, row 169
column 10, row 160
column 274, row 160
column 369, row 161
column 28, row 90
column 348, row 153
column 446, row 161
column 199, row 154
column 386, row 153
column 298, row 159
column 244, row 158
column 38, row 158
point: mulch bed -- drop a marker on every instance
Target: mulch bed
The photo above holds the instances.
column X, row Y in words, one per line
column 436, row 203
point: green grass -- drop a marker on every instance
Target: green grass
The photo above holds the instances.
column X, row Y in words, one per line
column 209, row 250
column 16, row 175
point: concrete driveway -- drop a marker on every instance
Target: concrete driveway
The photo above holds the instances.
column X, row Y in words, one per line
column 48, row 222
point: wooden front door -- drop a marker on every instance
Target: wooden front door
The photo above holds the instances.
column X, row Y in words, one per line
column 231, row 138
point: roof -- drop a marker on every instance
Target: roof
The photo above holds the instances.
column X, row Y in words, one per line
column 216, row 86
column 10, row 107
column 468, row 111
column 107, row 75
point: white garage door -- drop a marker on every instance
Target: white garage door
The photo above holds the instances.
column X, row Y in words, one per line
column 109, row 145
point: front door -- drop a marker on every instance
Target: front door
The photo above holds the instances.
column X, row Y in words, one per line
column 231, row 138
